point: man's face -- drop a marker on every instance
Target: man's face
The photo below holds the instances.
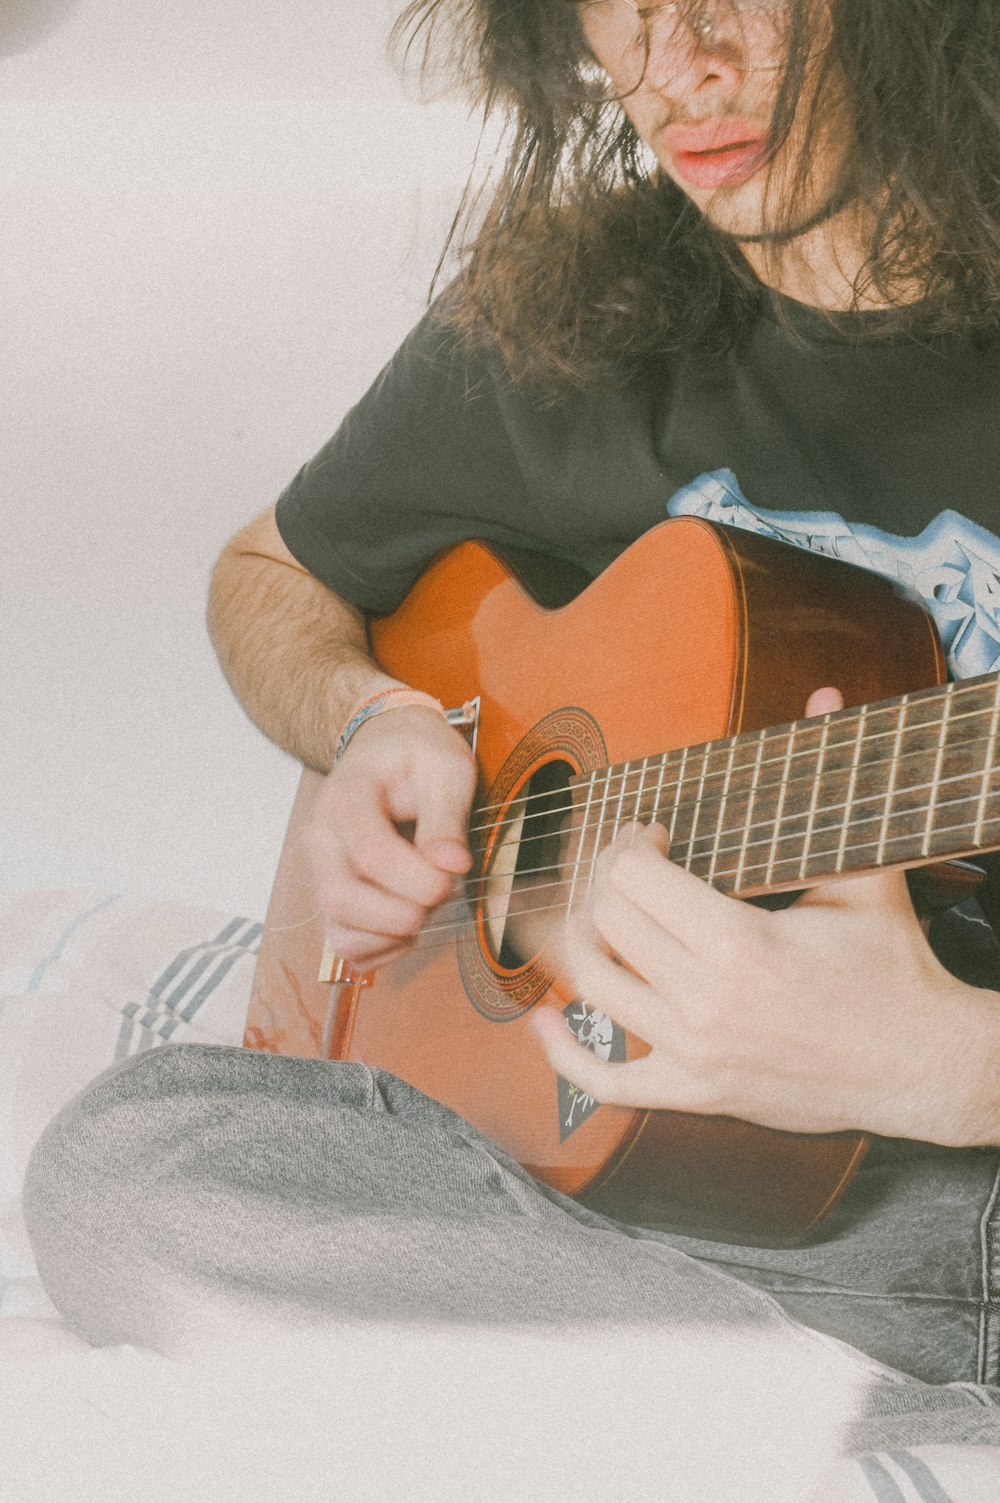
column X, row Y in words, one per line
column 702, row 95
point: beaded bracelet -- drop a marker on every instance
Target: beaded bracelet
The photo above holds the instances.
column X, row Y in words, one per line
column 388, row 699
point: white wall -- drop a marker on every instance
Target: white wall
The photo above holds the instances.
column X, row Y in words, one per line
column 217, row 219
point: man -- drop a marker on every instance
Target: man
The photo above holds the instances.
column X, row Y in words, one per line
column 791, row 206
column 741, row 262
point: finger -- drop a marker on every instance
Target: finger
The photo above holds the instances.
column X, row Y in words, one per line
column 824, row 701
column 439, row 805
column 360, row 907
column 642, row 942
column 364, row 951
column 679, row 903
column 628, row 834
column 612, row 1083
column 626, row 997
column 375, row 852
column 884, row 892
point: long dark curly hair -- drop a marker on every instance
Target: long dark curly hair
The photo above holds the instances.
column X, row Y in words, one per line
column 584, row 263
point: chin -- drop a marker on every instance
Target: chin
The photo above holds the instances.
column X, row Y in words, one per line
column 734, row 211
column 740, row 223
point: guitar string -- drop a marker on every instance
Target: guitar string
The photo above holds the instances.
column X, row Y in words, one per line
column 626, row 771
column 848, row 717
column 831, row 828
column 708, row 843
column 715, row 800
column 434, row 935
column 714, row 797
column 463, row 903
column 466, row 902
column 699, row 753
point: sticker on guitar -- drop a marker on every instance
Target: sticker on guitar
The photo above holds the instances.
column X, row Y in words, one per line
column 594, row 1030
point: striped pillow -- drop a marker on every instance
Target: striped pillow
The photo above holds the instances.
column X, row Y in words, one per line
column 88, row 979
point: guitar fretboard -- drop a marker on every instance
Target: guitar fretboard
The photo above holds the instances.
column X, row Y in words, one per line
column 901, row 782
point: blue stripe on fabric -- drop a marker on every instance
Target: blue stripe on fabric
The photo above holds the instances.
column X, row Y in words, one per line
column 147, row 1039
column 216, row 957
column 56, row 952
column 182, row 957
column 225, row 966
column 229, row 931
column 173, row 970
column 124, row 1040
column 878, row 1479
column 920, row 1474
column 194, row 974
column 208, row 950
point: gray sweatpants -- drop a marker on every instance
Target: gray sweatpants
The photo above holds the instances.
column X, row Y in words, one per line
column 202, row 1187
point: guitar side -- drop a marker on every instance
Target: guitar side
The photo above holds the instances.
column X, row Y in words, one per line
column 695, row 633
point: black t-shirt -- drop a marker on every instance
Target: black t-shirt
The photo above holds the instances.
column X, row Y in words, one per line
column 809, row 422
column 885, row 452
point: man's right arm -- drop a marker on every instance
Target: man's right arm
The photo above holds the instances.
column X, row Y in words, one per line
column 297, row 657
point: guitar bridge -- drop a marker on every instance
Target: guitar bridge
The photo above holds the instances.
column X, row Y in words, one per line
column 335, row 971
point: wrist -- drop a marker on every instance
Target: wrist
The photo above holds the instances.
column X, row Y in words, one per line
column 385, row 699
column 970, row 1118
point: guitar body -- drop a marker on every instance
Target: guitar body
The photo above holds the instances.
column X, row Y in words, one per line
column 697, row 632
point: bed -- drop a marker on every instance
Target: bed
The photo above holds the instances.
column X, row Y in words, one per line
column 89, row 978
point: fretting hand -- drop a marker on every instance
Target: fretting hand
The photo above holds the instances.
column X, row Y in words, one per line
column 831, row 1014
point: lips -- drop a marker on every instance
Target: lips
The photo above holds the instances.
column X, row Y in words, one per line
column 716, row 153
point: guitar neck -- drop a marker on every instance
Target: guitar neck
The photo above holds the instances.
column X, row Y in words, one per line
column 899, row 783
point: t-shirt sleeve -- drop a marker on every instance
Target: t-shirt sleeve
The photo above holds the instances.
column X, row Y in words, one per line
column 422, row 462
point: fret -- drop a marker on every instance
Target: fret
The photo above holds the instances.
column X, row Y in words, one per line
column 599, row 841
column 883, row 833
column 954, row 823
column 814, row 798
column 991, row 737
column 622, row 771
column 636, row 800
column 910, row 773
column 824, row 811
column 850, row 791
column 720, row 821
column 581, row 840
column 936, row 774
column 772, row 854
column 637, row 812
column 748, row 816
column 800, row 806
column 690, row 853
column 658, row 792
column 774, row 849
column 851, row 784
column 747, row 839
column 673, row 827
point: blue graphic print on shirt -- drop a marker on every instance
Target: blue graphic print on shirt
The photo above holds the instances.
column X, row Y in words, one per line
column 954, row 565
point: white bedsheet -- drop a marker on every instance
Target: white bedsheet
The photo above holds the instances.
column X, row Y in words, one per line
column 369, row 1411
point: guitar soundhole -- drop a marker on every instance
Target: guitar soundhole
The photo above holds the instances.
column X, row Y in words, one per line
column 524, row 887
column 519, row 891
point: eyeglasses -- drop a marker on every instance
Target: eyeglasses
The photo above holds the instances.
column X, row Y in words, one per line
column 705, row 23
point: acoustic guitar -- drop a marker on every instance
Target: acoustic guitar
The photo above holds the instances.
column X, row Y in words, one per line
column 667, row 689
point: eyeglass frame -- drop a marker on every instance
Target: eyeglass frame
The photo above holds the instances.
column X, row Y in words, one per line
column 676, row 7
